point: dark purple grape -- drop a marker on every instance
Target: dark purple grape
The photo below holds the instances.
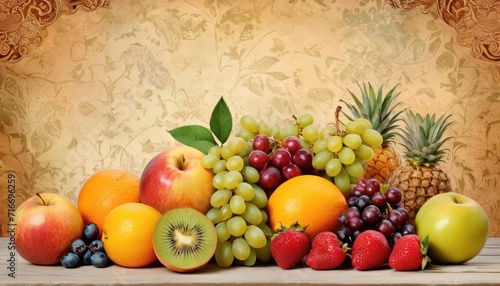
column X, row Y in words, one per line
column 291, row 171
column 396, row 218
column 362, row 202
column 258, row 159
column 404, row 213
column 351, row 202
column 343, row 218
column 393, row 195
column 270, row 178
column 292, row 143
column 344, row 234
column 281, row 158
column 261, row 142
column 361, row 182
column 371, row 215
column 358, row 191
column 378, row 199
column 353, row 212
column 354, row 223
column 386, row 228
column 407, row 229
column 372, row 186
column 395, row 237
column 303, row 159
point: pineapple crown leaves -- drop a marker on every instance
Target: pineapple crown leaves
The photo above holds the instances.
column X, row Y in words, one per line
column 202, row 138
column 422, row 138
column 378, row 108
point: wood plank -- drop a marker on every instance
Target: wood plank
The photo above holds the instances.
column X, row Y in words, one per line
column 482, row 270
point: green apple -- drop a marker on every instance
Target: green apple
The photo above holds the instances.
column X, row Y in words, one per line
column 457, row 227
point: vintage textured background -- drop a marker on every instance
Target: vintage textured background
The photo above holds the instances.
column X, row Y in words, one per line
column 98, row 88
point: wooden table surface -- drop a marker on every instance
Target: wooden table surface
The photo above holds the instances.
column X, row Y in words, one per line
column 482, row 270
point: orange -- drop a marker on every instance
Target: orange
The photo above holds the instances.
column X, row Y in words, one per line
column 310, row 200
column 127, row 235
column 105, row 190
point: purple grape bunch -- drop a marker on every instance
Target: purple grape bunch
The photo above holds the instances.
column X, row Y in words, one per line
column 371, row 208
column 276, row 165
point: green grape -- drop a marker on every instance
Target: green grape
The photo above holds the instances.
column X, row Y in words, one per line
column 236, row 144
column 255, row 236
column 335, row 143
column 264, row 128
column 352, row 141
column 245, row 190
column 218, row 180
column 310, row 133
column 241, row 249
column 320, row 145
column 260, row 197
column 342, row 181
column 245, row 134
column 220, row 197
column 235, row 163
column 266, row 229
column 353, row 127
column 291, row 130
column 246, row 150
column 333, row 167
column 372, row 138
column 222, row 232
column 364, row 123
column 274, row 131
column 226, row 153
column 355, row 169
column 264, row 253
column 249, row 123
column 213, row 215
column 327, row 131
column 236, row 226
column 224, row 256
column 264, row 216
column 250, row 174
column 215, row 150
column 321, row 159
column 237, row 204
column 225, row 212
column 219, row 166
column 252, row 214
column 364, row 152
column 208, row 161
column 346, row 155
column 232, row 179
column 305, row 120
column 252, row 258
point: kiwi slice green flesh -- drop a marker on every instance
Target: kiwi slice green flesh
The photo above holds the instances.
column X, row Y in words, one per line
column 184, row 239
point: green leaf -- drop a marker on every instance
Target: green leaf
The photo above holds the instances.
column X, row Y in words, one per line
column 195, row 136
column 221, row 122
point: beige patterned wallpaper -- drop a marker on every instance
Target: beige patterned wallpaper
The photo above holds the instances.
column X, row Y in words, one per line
column 103, row 86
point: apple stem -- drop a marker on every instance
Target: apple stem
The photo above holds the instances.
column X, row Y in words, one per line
column 43, row 201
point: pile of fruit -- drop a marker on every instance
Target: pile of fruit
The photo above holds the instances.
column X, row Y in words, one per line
column 304, row 195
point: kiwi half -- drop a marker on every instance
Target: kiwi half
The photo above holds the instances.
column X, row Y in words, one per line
column 184, row 239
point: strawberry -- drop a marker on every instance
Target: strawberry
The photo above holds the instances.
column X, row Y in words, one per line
column 327, row 252
column 289, row 246
column 370, row 250
column 409, row 253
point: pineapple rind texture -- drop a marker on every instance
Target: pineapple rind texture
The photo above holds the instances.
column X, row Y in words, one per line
column 382, row 165
column 418, row 184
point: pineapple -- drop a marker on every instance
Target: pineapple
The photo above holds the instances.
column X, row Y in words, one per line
column 379, row 109
column 420, row 177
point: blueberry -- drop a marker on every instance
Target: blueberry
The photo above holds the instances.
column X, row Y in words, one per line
column 99, row 259
column 96, row 245
column 78, row 246
column 70, row 260
column 86, row 257
column 90, row 232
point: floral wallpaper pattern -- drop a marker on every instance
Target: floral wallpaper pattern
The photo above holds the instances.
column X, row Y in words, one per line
column 105, row 86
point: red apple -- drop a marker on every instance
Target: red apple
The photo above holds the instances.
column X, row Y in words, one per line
column 175, row 178
column 46, row 224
